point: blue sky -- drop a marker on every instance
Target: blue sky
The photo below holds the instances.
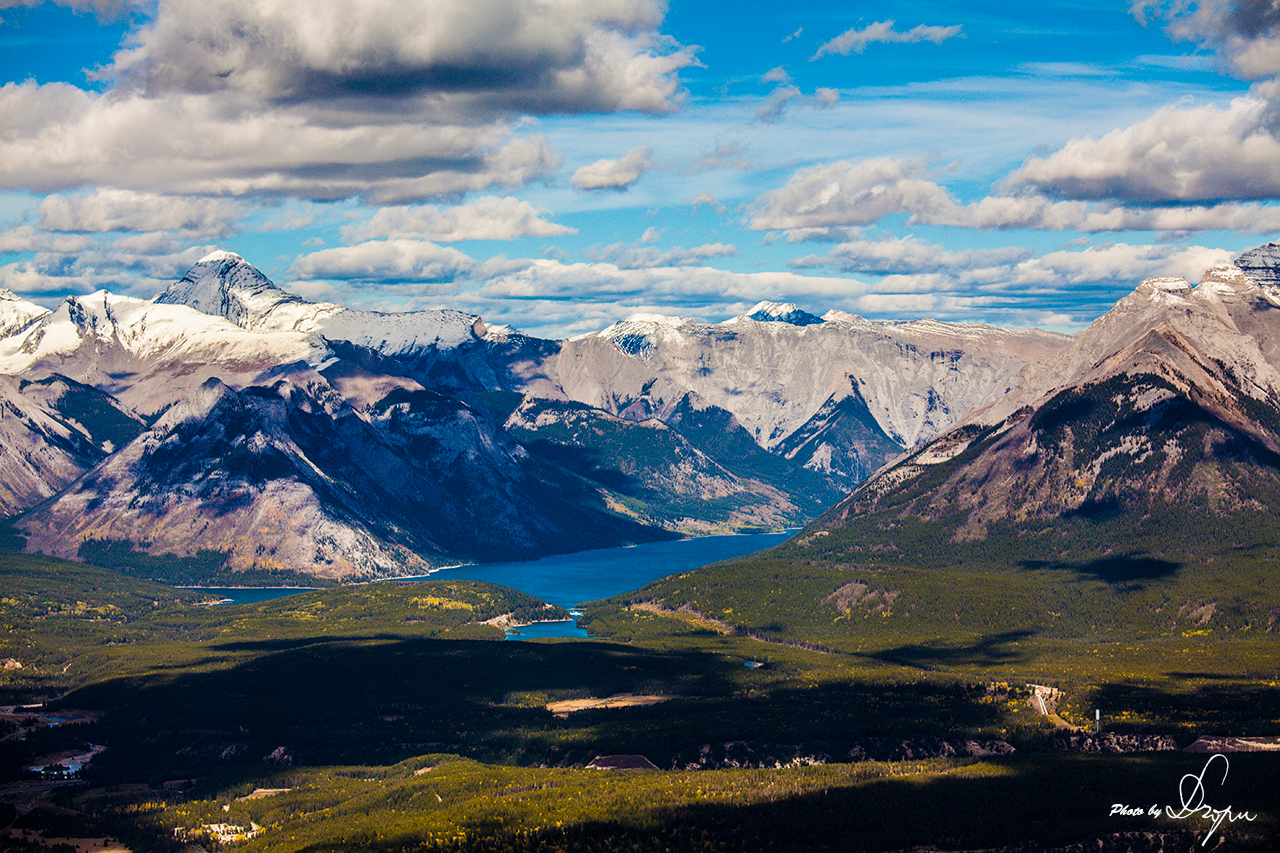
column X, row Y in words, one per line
column 560, row 165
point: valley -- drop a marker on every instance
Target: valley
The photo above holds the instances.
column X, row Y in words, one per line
column 1088, row 518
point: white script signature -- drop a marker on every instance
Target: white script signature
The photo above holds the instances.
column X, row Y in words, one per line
column 1193, row 804
column 1191, row 793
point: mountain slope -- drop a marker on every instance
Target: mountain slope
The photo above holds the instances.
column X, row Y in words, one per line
column 290, row 477
column 51, row 432
column 1170, row 410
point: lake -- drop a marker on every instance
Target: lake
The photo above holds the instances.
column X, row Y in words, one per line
column 571, row 579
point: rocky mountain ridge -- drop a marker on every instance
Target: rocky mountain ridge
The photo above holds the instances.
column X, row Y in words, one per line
column 1166, row 406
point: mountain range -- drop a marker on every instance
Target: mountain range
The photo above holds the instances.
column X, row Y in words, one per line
column 1156, row 432
column 228, row 416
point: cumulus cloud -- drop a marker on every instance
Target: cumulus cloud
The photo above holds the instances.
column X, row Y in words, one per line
column 910, row 264
column 1179, row 154
column 547, row 279
column 449, row 55
column 646, row 257
column 126, row 210
column 908, row 255
column 139, row 265
column 844, row 193
column 392, row 102
column 824, row 201
column 614, row 174
column 856, row 41
column 384, row 261
column 486, row 218
column 1187, row 153
column 779, row 99
column 60, row 137
column 1245, row 34
column 706, row 199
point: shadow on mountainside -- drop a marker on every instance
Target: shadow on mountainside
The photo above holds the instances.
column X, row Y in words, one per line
column 1115, row 569
column 991, row 650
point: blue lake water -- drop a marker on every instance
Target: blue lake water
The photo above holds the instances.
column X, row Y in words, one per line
column 571, row 579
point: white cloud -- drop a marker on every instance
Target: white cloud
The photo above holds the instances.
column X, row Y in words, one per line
column 60, row 137
column 1179, row 154
column 126, row 210
column 856, row 41
column 643, row 257
column 1187, row 153
column 26, row 238
column 548, row 279
column 913, row 265
column 908, row 255
column 556, row 299
column 1244, row 33
column 445, row 57
column 706, row 199
column 843, row 193
column 384, row 100
column 614, row 174
column 822, row 201
column 728, row 155
column 486, row 218
column 779, row 99
column 140, row 265
column 384, row 261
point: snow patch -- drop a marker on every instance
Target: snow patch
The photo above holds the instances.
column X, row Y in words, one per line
column 219, row 255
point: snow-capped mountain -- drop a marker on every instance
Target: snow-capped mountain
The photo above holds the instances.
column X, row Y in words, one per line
column 361, row 444
column 223, row 284
column 146, row 354
column 1166, row 407
column 17, row 313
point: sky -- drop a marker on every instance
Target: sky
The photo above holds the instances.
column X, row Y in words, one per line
column 558, row 165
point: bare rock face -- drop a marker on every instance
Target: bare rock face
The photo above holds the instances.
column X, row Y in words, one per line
column 301, row 435
column 783, row 373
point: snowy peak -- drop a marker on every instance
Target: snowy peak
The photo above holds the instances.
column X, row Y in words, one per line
column 1262, row 264
column 782, row 312
column 223, row 284
column 17, row 313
